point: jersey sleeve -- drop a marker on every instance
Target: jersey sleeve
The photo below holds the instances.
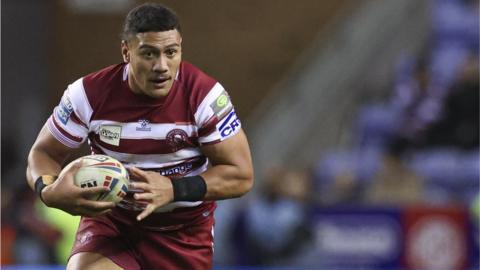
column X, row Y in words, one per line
column 69, row 120
column 216, row 117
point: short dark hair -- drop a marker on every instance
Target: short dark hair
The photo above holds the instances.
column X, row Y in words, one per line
column 149, row 17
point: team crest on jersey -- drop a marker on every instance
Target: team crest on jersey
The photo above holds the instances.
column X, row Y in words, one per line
column 221, row 105
column 64, row 110
column 110, row 134
column 177, row 139
column 144, row 125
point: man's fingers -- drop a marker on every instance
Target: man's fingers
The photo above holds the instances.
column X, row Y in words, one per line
column 71, row 169
column 75, row 167
column 138, row 174
column 139, row 185
column 144, row 196
column 148, row 210
column 96, row 205
column 137, row 171
column 88, row 192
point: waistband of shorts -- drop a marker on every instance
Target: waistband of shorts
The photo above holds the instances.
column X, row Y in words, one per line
column 173, row 220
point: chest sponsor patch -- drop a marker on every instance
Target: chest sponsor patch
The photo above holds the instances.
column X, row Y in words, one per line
column 229, row 125
column 221, row 105
column 64, row 110
column 110, row 134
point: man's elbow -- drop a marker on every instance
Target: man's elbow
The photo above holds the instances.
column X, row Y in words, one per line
column 28, row 170
column 246, row 184
column 28, row 175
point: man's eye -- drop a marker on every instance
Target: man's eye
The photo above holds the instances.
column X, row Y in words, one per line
column 148, row 54
column 170, row 53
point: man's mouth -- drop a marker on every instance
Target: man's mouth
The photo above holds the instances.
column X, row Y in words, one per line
column 160, row 80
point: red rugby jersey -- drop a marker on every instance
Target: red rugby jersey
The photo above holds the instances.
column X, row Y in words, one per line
column 156, row 134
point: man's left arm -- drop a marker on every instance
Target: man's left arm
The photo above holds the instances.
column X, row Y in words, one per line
column 231, row 173
column 230, row 176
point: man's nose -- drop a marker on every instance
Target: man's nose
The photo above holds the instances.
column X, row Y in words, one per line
column 160, row 65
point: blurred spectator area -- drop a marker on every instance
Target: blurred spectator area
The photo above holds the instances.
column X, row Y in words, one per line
column 314, row 106
column 425, row 124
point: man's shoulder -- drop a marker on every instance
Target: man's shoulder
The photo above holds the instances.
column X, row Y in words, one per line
column 194, row 78
column 97, row 85
column 106, row 75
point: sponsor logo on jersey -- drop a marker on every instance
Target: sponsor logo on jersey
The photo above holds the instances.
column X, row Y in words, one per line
column 177, row 139
column 228, row 125
column 221, row 105
column 180, row 169
column 64, row 110
column 110, row 134
column 144, row 125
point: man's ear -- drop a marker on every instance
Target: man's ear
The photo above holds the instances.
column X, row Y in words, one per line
column 125, row 51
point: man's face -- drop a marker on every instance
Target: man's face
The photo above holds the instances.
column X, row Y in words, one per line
column 154, row 59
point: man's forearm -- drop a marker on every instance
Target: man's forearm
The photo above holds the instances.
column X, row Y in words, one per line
column 40, row 163
column 227, row 181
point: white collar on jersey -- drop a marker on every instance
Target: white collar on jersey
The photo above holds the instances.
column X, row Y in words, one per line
column 125, row 72
column 127, row 66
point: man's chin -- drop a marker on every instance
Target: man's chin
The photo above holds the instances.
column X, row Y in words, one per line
column 158, row 93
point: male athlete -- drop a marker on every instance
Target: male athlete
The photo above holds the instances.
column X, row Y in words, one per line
column 173, row 127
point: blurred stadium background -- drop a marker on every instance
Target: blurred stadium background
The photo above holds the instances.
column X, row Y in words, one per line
column 363, row 118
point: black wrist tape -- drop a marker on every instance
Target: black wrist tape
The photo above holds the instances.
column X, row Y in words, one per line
column 191, row 188
column 42, row 182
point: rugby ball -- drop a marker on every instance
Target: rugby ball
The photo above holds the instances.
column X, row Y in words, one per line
column 102, row 170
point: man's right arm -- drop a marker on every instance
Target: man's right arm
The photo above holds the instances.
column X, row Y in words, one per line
column 46, row 158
